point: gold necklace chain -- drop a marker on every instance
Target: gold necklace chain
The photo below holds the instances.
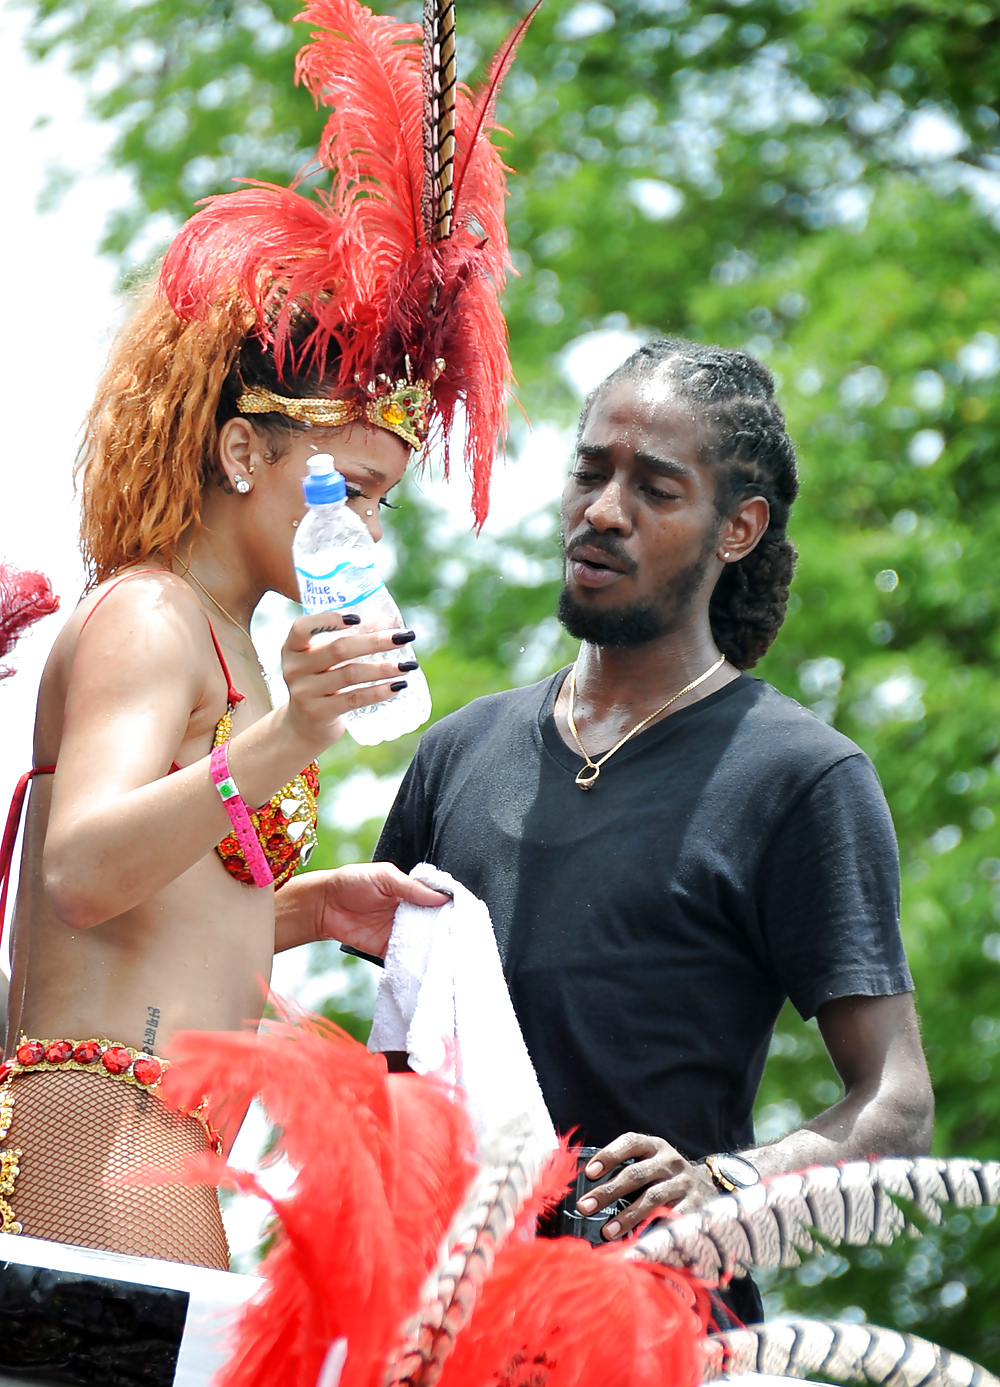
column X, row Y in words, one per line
column 587, row 776
column 215, row 601
column 242, row 629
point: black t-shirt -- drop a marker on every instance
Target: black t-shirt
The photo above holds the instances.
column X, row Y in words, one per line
column 736, row 853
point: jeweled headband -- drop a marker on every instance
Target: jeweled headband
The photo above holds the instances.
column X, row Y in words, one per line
column 401, row 409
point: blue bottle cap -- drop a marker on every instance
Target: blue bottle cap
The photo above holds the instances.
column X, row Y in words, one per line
column 324, row 486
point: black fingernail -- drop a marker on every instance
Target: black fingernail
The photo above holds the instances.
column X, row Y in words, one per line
column 351, row 619
column 403, row 637
column 405, row 666
column 397, row 685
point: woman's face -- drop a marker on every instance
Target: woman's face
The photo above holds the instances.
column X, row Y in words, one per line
column 371, row 461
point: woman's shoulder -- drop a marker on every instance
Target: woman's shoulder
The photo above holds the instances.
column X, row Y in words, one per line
column 137, row 636
column 139, row 590
column 144, row 620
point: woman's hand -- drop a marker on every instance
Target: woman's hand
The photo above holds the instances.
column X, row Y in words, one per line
column 355, row 905
column 321, row 658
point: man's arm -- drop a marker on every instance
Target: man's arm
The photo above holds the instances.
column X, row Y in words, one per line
column 887, row 1109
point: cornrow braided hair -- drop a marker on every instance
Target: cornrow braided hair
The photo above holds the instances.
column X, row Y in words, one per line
column 748, row 444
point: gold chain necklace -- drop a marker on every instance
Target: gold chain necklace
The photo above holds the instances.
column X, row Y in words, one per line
column 587, row 776
column 217, row 603
column 242, row 629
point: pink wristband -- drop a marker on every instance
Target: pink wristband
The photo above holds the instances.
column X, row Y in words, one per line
column 239, row 815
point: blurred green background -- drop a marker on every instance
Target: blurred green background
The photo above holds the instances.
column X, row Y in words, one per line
column 818, row 181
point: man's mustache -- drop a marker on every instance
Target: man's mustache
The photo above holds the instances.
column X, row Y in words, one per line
column 608, row 544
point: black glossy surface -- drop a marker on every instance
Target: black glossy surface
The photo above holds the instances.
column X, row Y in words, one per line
column 87, row 1331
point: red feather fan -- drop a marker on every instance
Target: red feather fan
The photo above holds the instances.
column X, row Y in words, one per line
column 382, row 1165
column 24, row 599
column 362, row 1224
column 560, row 1313
column 361, row 256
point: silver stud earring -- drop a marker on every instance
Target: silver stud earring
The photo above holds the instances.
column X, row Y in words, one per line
column 726, row 554
column 369, row 512
column 241, row 484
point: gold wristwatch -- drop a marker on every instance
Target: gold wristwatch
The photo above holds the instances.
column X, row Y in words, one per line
column 732, row 1173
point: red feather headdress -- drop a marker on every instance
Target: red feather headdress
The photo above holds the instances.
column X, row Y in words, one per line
column 402, row 260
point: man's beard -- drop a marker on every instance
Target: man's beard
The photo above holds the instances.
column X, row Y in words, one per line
column 617, row 627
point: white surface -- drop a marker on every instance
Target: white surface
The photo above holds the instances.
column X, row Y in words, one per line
column 443, row 1000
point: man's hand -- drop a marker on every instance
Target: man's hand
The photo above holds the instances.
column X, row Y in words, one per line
column 660, row 1171
column 355, row 905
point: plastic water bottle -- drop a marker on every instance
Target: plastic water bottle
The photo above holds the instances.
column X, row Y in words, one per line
column 335, row 564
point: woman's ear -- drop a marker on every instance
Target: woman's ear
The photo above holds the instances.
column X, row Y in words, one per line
column 742, row 532
column 241, row 452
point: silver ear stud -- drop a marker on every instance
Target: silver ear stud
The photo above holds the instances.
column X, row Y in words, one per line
column 369, row 512
column 241, row 484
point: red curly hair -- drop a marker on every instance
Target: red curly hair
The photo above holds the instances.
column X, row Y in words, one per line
column 151, row 436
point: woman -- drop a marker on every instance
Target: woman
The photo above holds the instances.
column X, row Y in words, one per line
column 281, row 326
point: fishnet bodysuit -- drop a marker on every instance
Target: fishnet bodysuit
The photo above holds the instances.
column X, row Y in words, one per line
column 77, row 1132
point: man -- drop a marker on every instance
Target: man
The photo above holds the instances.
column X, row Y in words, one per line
column 668, row 847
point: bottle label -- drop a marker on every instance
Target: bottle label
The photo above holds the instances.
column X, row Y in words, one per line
column 344, row 586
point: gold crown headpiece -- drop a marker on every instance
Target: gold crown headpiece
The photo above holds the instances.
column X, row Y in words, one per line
column 401, row 407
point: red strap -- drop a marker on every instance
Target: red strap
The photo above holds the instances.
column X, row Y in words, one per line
column 10, row 834
column 232, row 695
column 117, row 583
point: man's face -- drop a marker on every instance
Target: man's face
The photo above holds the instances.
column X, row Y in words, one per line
column 639, row 523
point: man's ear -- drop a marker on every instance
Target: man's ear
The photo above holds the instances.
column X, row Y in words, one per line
column 241, row 452
column 742, row 532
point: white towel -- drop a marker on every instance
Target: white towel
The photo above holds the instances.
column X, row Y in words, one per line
column 444, row 1001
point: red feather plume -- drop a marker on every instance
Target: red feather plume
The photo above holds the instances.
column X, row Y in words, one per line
column 24, row 599
column 361, row 256
column 383, row 1163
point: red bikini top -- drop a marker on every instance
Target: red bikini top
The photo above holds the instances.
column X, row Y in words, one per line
column 285, row 825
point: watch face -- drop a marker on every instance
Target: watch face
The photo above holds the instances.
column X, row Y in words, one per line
column 738, row 1172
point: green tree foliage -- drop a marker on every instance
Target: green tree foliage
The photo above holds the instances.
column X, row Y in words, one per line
column 814, row 179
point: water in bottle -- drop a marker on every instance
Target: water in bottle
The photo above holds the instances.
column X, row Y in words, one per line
column 335, row 564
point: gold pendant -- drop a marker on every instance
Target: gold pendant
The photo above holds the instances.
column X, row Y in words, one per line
column 586, row 777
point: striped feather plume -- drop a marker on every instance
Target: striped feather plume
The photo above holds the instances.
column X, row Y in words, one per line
column 506, row 1308
column 504, row 1193
column 841, row 1353
column 770, row 1224
column 440, row 75
column 401, row 261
